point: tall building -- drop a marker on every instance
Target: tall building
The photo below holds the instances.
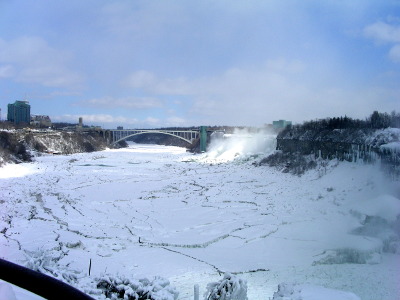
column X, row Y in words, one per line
column 281, row 124
column 19, row 112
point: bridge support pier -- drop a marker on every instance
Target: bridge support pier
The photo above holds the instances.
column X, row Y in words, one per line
column 203, row 138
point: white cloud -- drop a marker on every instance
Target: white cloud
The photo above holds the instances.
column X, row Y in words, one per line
column 124, row 102
column 95, row 118
column 386, row 33
column 194, row 61
column 32, row 60
column 271, row 77
column 394, row 53
column 383, row 32
column 149, row 82
column 141, row 79
column 277, row 89
column 141, row 19
column 152, row 121
column 176, row 121
column 283, row 65
column 110, row 121
column 6, row 71
column 50, row 76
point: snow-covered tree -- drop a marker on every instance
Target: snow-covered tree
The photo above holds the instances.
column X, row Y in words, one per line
column 120, row 287
column 229, row 288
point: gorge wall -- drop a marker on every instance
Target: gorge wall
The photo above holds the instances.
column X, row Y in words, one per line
column 19, row 146
column 367, row 145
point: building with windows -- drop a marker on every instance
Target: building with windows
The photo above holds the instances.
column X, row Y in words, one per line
column 19, row 112
column 40, row 121
column 281, row 124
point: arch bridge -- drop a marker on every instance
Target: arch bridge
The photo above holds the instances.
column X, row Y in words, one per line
column 189, row 136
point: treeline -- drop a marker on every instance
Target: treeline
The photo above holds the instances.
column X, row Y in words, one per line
column 376, row 120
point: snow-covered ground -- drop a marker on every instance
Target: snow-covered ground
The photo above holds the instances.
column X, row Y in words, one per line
column 159, row 211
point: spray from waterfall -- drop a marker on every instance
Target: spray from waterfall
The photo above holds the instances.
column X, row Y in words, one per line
column 240, row 145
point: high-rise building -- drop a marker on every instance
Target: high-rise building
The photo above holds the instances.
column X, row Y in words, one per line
column 281, row 124
column 19, row 112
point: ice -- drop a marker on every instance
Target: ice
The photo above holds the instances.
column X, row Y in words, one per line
column 12, row 292
column 385, row 206
column 151, row 210
column 17, row 170
column 230, row 287
column 288, row 291
column 124, row 288
column 6, row 292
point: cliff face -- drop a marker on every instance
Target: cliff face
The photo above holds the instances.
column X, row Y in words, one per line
column 15, row 146
column 368, row 145
column 65, row 142
column 365, row 136
column 11, row 149
column 330, row 143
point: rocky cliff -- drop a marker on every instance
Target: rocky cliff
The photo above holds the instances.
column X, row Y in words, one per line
column 352, row 144
column 19, row 146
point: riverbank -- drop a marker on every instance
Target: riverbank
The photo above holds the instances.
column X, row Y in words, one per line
column 18, row 146
column 158, row 211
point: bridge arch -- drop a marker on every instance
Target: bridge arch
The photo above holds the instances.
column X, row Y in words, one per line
column 156, row 131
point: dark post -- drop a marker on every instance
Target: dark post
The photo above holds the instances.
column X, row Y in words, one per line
column 90, row 266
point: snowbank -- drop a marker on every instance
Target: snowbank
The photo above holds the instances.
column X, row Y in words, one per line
column 290, row 291
column 12, row 292
column 230, row 287
column 20, row 170
column 140, row 212
column 6, row 292
column 383, row 136
column 384, row 206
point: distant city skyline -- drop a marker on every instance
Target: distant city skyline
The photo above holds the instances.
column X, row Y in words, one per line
column 146, row 64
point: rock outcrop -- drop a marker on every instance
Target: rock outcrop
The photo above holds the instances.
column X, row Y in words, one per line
column 19, row 146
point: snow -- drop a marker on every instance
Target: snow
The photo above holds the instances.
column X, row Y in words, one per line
column 393, row 146
column 12, row 292
column 153, row 210
column 229, row 288
column 385, row 206
column 6, row 291
column 288, row 291
column 13, row 170
column 124, row 288
column 388, row 136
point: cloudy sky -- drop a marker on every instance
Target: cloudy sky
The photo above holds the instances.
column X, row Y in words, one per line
column 181, row 63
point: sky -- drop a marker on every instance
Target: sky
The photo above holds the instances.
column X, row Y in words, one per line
column 150, row 64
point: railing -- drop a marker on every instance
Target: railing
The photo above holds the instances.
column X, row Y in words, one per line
column 38, row 283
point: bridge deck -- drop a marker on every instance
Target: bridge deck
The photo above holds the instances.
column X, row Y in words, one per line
column 187, row 135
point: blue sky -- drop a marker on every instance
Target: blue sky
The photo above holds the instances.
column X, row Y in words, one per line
column 189, row 63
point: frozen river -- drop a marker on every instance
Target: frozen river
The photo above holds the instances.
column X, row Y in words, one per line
column 159, row 211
